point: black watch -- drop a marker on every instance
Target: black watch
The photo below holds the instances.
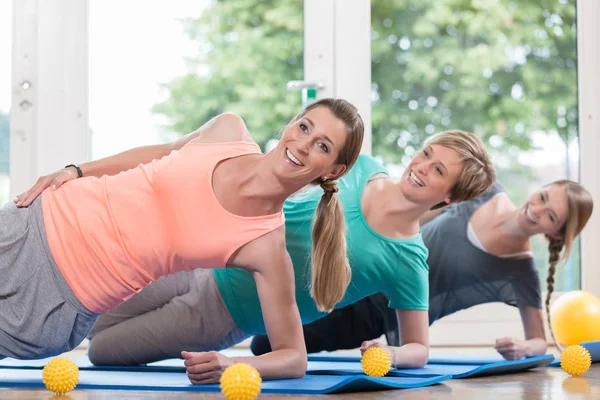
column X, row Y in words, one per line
column 79, row 173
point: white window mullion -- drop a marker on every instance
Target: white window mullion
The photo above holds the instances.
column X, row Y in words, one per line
column 588, row 61
column 352, row 36
column 49, row 116
column 23, row 164
column 337, row 53
column 319, row 45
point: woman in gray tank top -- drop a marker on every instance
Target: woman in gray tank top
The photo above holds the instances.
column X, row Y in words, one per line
column 479, row 252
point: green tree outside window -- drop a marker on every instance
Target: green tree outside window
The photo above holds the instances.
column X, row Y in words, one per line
column 504, row 69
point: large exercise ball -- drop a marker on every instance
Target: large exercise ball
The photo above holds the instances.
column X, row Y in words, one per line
column 575, row 318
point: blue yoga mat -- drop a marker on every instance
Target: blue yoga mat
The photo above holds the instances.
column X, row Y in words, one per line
column 592, row 347
column 465, row 359
column 342, row 357
column 453, row 368
column 171, row 365
column 127, row 380
column 84, row 364
column 457, row 366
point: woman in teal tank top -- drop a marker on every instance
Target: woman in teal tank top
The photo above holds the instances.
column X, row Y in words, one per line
column 385, row 250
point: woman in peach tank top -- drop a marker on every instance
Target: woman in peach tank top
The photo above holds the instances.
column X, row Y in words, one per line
column 142, row 214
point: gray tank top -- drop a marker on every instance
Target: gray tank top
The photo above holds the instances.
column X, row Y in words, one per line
column 462, row 275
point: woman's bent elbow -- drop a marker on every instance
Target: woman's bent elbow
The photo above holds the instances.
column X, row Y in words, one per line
column 298, row 370
column 422, row 358
column 422, row 362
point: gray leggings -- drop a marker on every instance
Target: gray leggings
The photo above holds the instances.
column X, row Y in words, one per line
column 40, row 316
column 179, row 312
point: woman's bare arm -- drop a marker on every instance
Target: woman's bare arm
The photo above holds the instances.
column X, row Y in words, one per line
column 535, row 338
column 414, row 339
column 224, row 127
column 274, row 278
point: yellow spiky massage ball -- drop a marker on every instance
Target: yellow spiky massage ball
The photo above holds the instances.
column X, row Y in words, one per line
column 376, row 361
column 575, row 360
column 60, row 375
column 240, row 382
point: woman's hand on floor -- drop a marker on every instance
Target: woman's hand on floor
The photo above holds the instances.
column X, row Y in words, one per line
column 367, row 345
column 52, row 181
column 511, row 348
column 373, row 343
column 205, row 367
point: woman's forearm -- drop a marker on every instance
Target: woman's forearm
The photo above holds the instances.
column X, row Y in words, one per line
column 280, row 364
column 410, row 355
column 124, row 161
column 535, row 347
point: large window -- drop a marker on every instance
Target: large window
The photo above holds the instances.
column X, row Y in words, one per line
column 165, row 71
column 506, row 70
column 5, row 92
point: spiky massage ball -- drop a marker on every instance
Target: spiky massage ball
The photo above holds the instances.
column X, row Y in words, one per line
column 575, row 360
column 376, row 361
column 240, row 382
column 60, row 375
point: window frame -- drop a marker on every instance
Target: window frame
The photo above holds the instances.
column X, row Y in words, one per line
column 483, row 324
column 50, row 51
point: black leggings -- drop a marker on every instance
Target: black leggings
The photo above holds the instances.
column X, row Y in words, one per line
column 345, row 328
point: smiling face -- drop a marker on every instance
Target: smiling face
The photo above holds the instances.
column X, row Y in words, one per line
column 310, row 146
column 546, row 211
column 431, row 175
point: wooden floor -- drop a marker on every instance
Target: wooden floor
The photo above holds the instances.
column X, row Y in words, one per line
column 545, row 383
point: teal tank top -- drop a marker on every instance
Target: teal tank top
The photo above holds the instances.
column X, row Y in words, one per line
column 397, row 268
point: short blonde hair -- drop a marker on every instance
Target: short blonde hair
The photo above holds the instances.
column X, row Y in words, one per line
column 478, row 173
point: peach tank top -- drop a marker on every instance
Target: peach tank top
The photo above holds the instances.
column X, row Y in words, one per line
column 112, row 236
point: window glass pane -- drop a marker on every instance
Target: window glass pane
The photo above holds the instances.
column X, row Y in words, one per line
column 503, row 69
column 5, row 93
column 164, row 72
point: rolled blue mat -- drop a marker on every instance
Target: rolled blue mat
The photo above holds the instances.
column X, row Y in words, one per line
column 592, row 347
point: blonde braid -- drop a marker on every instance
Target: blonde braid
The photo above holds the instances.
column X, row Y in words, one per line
column 554, row 247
